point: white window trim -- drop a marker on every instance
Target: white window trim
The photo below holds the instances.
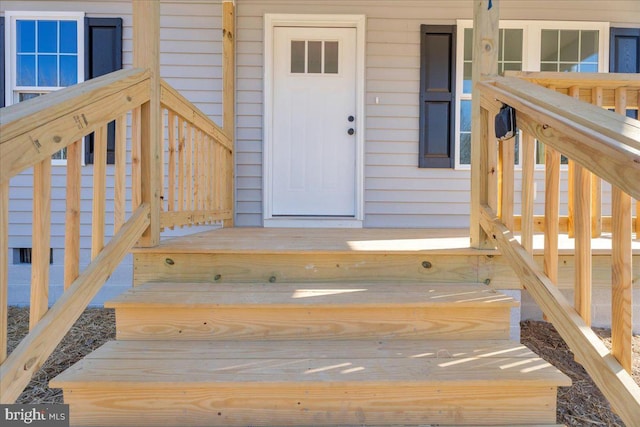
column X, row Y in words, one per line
column 10, row 53
column 530, row 60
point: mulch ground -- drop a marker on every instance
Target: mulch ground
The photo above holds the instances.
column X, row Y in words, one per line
column 582, row 404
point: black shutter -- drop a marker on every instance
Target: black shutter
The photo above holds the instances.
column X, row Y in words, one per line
column 103, row 55
column 2, row 104
column 437, row 96
column 624, row 54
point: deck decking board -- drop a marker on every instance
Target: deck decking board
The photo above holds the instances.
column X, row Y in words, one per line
column 291, row 383
column 308, row 406
column 310, row 294
column 361, row 349
column 332, row 311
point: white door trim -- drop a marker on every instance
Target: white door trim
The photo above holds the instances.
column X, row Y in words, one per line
column 296, row 20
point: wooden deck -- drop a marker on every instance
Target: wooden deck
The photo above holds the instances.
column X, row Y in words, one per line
column 369, row 255
column 367, row 240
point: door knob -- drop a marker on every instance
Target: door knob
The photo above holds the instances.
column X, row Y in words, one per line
column 351, row 118
column 351, row 131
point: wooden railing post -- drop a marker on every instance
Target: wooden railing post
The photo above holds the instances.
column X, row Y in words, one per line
column 229, row 97
column 146, row 54
column 486, row 15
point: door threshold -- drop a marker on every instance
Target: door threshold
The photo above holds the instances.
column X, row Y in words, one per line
column 312, row 222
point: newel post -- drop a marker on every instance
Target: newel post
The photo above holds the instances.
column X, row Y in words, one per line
column 229, row 98
column 486, row 36
column 146, row 54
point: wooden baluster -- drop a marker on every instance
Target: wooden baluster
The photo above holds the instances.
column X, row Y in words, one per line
column 4, row 267
column 582, row 224
column 507, row 160
column 207, row 172
column 621, row 259
column 596, row 182
column 120, row 172
column 196, row 172
column 622, row 284
column 40, row 254
column 163, row 191
column 551, row 213
column 638, row 220
column 99, row 191
column 575, row 92
column 528, row 149
column 217, row 177
column 189, row 167
column 171, row 207
column 72, row 214
column 203, row 172
column 181, row 165
column 136, row 172
column 214, row 177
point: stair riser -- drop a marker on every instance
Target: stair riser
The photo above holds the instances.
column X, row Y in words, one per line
column 407, row 322
column 358, row 267
column 296, row 405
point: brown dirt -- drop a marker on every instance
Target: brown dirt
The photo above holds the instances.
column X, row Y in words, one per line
column 582, row 404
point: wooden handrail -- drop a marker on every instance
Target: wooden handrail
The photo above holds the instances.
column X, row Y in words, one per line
column 32, row 131
column 171, row 99
column 199, row 158
column 31, row 353
column 604, row 142
column 596, row 142
column 615, row 383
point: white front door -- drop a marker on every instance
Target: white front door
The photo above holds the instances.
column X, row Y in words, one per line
column 314, row 120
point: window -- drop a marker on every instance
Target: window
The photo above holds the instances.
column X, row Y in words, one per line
column 531, row 46
column 314, row 57
column 45, row 54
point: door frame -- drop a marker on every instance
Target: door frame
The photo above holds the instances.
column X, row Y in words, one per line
column 324, row 21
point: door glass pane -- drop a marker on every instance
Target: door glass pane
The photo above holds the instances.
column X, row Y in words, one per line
column 297, row 56
column 331, row 57
column 549, row 67
column 314, row 60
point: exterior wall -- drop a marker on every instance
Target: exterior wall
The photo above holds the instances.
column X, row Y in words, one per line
column 397, row 192
column 191, row 61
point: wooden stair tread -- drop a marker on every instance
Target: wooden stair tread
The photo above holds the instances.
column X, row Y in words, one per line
column 208, row 367
column 310, row 294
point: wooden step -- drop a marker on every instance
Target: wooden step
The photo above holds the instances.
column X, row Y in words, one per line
column 206, row 311
column 311, row 383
